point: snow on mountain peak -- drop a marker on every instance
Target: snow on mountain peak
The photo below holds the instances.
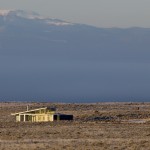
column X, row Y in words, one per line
column 4, row 12
column 20, row 13
column 33, row 15
column 57, row 23
column 28, row 14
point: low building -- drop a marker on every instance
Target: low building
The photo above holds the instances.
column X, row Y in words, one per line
column 41, row 115
column 58, row 116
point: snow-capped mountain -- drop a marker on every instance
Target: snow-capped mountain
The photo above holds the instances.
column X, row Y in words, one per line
column 4, row 12
column 51, row 59
column 14, row 14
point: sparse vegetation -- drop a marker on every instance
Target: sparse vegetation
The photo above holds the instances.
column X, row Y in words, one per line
column 101, row 126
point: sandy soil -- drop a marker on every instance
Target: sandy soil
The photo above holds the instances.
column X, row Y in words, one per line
column 99, row 126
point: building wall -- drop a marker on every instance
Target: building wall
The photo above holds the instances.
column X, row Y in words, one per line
column 35, row 117
column 43, row 118
column 17, row 118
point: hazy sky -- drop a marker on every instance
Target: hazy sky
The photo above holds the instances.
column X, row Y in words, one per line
column 102, row 13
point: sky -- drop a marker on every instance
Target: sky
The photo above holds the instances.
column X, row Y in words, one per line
column 100, row 13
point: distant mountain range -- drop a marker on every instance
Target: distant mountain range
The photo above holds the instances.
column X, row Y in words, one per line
column 54, row 60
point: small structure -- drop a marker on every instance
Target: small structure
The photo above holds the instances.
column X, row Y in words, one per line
column 41, row 115
column 62, row 117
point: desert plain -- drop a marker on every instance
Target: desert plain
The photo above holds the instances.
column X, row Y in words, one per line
column 96, row 126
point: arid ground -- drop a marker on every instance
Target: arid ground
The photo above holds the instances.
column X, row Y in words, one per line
column 96, row 126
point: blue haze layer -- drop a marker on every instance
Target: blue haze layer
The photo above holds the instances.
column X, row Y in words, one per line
column 72, row 63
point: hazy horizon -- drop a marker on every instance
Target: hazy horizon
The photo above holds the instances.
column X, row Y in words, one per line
column 51, row 60
column 100, row 13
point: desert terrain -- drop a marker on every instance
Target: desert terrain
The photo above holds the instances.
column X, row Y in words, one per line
column 96, row 126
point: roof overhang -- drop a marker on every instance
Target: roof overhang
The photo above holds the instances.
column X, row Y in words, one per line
column 26, row 112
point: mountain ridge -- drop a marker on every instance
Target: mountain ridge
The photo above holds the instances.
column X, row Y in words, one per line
column 6, row 14
column 61, row 61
